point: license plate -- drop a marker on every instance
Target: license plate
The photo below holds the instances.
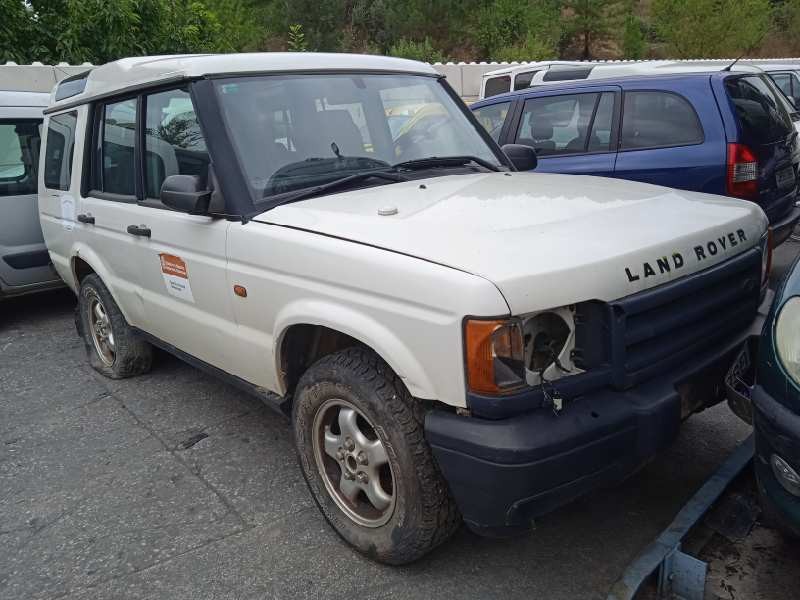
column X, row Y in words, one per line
column 738, row 373
column 785, row 178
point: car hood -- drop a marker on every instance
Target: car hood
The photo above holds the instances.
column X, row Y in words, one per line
column 544, row 240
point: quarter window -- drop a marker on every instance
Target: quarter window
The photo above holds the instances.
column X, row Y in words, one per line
column 557, row 124
column 117, row 148
column 174, row 144
column 653, row 119
column 59, row 151
column 497, row 85
column 492, row 118
column 19, row 156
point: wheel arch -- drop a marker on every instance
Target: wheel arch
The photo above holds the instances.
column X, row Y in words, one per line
column 322, row 328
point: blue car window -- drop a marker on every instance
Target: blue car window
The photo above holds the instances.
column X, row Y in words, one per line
column 556, row 125
column 492, row 118
column 600, row 138
column 654, row 119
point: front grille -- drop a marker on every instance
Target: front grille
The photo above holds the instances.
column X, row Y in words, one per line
column 640, row 336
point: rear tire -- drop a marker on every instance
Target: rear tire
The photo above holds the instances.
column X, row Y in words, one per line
column 360, row 440
column 112, row 347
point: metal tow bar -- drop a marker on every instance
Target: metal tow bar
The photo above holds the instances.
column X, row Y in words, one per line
column 680, row 576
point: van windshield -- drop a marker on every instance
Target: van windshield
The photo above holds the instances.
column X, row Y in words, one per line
column 292, row 132
column 762, row 118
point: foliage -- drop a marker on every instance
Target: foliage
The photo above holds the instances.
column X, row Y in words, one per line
column 634, row 44
column 423, row 50
column 513, row 30
column 712, row 28
column 593, row 21
column 297, row 39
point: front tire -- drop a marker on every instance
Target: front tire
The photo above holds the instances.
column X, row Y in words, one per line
column 359, row 437
column 112, row 347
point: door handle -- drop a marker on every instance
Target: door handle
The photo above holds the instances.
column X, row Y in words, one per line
column 140, row 230
column 88, row 219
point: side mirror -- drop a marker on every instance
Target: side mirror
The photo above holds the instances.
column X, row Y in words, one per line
column 522, row 157
column 185, row 193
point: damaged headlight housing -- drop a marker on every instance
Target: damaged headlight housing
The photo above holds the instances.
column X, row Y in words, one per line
column 787, row 337
column 505, row 355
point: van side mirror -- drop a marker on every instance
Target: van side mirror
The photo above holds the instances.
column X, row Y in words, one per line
column 522, row 157
column 185, row 193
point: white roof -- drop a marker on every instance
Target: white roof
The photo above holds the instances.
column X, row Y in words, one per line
column 136, row 72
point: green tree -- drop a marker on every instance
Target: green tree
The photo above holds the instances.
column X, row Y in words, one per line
column 593, row 21
column 712, row 28
column 633, row 44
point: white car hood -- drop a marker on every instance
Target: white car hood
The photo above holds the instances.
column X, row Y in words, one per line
column 544, row 240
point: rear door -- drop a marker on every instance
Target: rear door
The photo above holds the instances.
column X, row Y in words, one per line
column 672, row 136
column 571, row 131
column 764, row 126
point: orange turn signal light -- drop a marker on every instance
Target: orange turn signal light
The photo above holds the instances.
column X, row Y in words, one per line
column 240, row 291
column 486, row 341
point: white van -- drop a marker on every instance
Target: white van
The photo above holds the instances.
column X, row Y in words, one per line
column 25, row 265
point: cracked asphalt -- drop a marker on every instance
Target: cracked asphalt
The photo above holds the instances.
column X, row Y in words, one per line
column 174, row 485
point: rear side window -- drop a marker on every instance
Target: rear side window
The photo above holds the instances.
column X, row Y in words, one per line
column 523, row 80
column 654, row 119
column 116, row 156
column 492, row 118
column 567, row 73
column 174, row 144
column 784, row 82
column 557, row 124
column 59, row 151
column 497, row 85
column 762, row 118
column 19, row 156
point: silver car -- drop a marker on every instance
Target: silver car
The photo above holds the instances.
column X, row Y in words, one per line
column 24, row 261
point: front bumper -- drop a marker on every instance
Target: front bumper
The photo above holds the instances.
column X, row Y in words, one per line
column 504, row 473
column 777, row 431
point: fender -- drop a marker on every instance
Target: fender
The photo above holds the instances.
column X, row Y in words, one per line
column 133, row 314
column 360, row 327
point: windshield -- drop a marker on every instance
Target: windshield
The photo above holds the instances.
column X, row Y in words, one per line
column 292, row 132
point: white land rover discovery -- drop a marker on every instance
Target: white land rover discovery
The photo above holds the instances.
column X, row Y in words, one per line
column 452, row 339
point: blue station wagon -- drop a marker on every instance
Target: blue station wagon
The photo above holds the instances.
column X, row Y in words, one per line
column 722, row 132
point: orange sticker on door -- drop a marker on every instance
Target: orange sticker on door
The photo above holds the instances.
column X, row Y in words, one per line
column 176, row 277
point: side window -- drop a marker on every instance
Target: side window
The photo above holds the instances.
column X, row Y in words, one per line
column 523, row 80
column 497, row 85
column 557, row 124
column 492, row 118
column 174, row 144
column 117, row 134
column 59, row 151
column 600, row 137
column 784, row 82
column 19, row 157
column 653, row 119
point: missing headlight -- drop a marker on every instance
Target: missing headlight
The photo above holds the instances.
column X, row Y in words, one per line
column 549, row 339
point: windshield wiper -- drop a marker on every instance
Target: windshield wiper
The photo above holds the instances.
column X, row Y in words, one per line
column 444, row 161
column 337, row 183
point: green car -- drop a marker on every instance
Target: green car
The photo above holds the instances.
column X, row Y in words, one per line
column 776, row 406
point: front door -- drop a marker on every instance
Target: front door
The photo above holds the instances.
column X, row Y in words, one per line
column 571, row 132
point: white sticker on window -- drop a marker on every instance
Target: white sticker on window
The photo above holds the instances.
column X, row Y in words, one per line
column 67, row 211
column 176, row 277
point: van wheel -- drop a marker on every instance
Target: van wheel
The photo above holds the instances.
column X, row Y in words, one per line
column 359, row 437
column 111, row 345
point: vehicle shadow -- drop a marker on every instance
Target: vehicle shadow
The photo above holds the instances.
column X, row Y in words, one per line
column 22, row 310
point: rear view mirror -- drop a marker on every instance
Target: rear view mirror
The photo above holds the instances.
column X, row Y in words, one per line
column 522, row 157
column 185, row 193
